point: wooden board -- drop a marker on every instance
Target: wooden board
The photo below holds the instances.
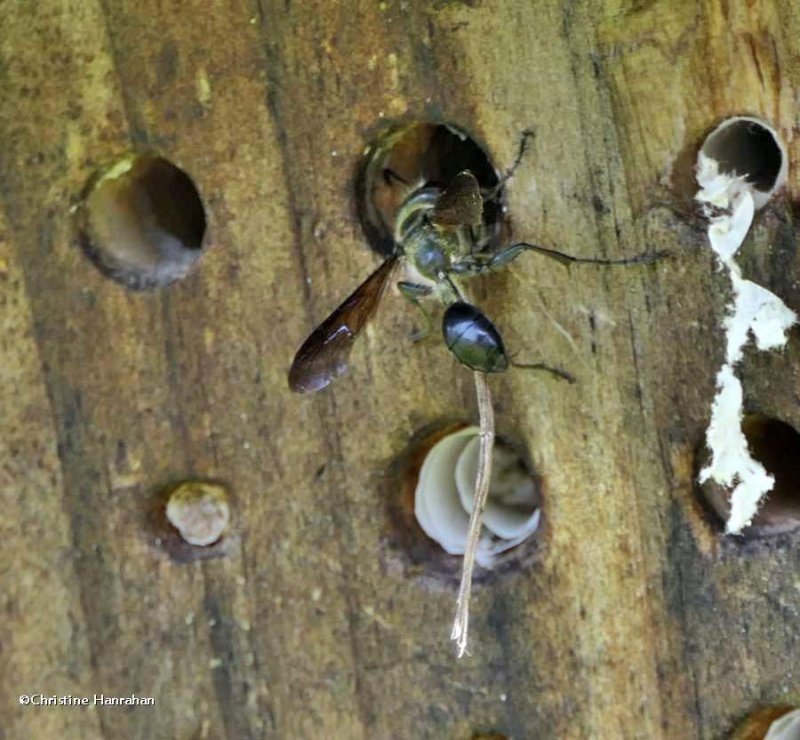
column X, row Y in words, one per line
column 633, row 623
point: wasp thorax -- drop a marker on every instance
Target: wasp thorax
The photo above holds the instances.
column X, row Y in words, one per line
column 430, row 254
column 143, row 222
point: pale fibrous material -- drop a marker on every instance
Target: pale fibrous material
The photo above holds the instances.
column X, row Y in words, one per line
column 785, row 728
column 446, row 490
column 199, row 511
column 729, row 202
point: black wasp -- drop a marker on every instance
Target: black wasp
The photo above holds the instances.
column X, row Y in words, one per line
column 441, row 236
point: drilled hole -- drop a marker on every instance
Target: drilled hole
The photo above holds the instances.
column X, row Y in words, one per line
column 143, row 222
column 750, row 148
column 412, row 156
column 421, row 555
column 776, row 445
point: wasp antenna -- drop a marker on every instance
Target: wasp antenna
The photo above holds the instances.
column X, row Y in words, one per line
column 527, row 134
column 568, row 259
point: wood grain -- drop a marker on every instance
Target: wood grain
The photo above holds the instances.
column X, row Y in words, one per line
column 635, row 623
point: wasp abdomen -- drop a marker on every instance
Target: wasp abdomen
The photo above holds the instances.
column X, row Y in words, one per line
column 473, row 338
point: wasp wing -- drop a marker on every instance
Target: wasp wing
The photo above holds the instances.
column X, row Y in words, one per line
column 323, row 356
column 460, row 204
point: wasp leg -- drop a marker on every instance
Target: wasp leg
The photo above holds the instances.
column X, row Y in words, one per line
column 414, row 292
column 477, row 264
column 471, row 266
column 562, row 374
column 470, row 241
column 506, row 255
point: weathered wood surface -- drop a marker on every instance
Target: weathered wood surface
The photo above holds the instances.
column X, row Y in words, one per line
column 631, row 625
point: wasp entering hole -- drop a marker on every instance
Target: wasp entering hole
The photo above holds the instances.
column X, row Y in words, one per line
column 776, row 445
column 751, row 149
column 420, row 158
column 143, row 222
column 431, row 514
column 438, row 213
